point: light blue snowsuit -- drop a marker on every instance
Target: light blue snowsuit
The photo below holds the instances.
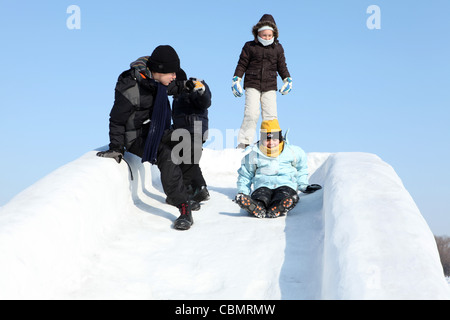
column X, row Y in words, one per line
column 288, row 169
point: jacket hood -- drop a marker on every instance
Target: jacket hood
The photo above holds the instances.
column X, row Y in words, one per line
column 266, row 20
column 267, row 17
column 140, row 66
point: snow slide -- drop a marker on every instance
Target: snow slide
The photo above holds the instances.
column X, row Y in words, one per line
column 87, row 231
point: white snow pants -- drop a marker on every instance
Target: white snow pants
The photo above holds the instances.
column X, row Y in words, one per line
column 253, row 98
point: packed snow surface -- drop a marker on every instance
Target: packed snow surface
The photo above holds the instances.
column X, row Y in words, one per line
column 87, row 231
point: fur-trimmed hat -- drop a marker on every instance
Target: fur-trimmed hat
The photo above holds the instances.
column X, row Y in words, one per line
column 266, row 20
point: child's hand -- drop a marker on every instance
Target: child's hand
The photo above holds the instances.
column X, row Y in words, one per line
column 312, row 188
column 111, row 154
column 195, row 85
column 236, row 86
column 287, row 86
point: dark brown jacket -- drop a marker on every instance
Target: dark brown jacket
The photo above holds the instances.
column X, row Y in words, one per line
column 260, row 64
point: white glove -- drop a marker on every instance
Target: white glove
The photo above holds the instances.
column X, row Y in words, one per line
column 287, row 86
column 236, row 86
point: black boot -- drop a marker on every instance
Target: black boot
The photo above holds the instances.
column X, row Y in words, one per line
column 282, row 207
column 254, row 207
column 184, row 221
column 201, row 194
column 195, row 206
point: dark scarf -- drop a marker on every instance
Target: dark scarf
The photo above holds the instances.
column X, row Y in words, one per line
column 160, row 122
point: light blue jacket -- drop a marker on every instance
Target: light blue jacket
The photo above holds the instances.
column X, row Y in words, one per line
column 288, row 169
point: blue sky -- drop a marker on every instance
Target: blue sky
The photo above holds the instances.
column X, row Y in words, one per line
column 381, row 91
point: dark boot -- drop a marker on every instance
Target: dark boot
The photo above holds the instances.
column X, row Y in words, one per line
column 184, row 221
column 201, row 194
column 195, row 206
column 242, row 146
column 254, row 207
column 282, row 207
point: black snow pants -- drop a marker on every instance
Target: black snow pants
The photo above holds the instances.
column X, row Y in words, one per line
column 175, row 177
column 171, row 175
column 192, row 173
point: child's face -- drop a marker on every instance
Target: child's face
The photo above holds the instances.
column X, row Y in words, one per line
column 164, row 78
column 266, row 34
column 271, row 143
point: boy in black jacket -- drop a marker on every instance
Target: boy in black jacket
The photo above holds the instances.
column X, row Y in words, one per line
column 140, row 119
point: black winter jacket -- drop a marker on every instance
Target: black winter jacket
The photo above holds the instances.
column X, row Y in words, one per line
column 187, row 108
column 132, row 110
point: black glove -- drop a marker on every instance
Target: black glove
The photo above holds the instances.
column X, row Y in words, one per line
column 111, row 154
column 312, row 188
column 189, row 85
column 195, row 85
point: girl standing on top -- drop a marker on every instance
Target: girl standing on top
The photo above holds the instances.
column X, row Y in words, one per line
column 260, row 60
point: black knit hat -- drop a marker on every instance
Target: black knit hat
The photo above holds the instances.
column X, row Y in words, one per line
column 164, row 59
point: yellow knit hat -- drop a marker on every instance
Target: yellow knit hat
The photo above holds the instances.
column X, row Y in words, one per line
column 270, row 126
column 270, row 129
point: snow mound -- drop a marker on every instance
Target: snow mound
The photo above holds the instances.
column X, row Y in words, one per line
column 377, row 244
column 87, row 231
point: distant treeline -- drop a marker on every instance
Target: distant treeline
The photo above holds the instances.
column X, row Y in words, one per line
column 443, row 244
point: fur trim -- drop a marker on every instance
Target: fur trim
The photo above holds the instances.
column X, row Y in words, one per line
column 265, row 23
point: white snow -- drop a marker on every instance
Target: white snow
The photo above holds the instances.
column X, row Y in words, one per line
column 86, row 231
